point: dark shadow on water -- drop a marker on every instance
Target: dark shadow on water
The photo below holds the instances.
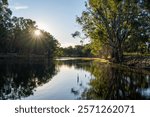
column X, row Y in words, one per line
column 117, row 83
column 111, row 82
column 19, row 78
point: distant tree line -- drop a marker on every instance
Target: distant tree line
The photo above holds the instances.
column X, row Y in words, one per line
column 76, row 51
column 17, row 35
column 87, row 50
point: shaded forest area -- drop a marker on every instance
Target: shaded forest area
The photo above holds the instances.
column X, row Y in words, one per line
column 20, row 36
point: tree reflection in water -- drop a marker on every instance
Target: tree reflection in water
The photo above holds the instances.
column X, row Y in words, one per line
column 18, row 78
column 112, row 82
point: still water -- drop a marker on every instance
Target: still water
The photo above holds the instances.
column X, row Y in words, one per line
column 71, row 79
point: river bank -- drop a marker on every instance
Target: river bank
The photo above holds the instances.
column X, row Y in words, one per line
column 140, row 62
column 137, row 61
column 131, row 61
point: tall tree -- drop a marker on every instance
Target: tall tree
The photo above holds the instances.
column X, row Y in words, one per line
column 17, row 35
column 22, row 35
column 5, row 23
column 112, row 22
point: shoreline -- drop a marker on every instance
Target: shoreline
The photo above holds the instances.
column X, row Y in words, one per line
column 141, row 62
column 137, row 61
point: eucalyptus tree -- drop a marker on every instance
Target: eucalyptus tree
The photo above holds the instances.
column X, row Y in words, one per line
column 112, row 22
column 5, row 12
column 50, row 44
column 17, row 35
column 26, row 41
column 141, row 29
column 22, row 35
column 5, row 23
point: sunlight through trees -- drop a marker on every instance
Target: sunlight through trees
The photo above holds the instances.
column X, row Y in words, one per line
column 22, row 37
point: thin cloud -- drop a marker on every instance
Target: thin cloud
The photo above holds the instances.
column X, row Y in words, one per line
column 20, row 7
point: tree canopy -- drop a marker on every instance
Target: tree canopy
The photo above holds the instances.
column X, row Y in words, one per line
column 17, row 35
column 116, row 24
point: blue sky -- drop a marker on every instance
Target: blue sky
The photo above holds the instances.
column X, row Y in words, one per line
column 55, row 16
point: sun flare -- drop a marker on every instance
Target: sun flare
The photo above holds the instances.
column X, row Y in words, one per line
column 37, row 32
column 42, row 26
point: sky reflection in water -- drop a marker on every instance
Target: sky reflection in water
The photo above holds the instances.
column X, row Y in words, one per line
column 71, row 79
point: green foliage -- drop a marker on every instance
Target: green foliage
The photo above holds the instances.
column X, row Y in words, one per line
column 5, row 24
column 5, row 13
column 17, row 35
column 116, row 24
column 77, row 51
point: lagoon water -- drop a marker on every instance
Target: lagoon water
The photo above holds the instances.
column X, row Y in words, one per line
column 71, row 79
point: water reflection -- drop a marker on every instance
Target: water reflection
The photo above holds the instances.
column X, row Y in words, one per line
column 115, row 82
column 19, row 78
column 111, row 82
column 71, row 79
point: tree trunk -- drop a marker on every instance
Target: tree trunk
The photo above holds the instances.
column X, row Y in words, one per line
column 117, row 55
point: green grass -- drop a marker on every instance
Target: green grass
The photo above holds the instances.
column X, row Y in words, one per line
column 136, row 54
column 95, row 59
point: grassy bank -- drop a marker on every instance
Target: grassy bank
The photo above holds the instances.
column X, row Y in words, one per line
column 134, row 61
column 137, row 61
